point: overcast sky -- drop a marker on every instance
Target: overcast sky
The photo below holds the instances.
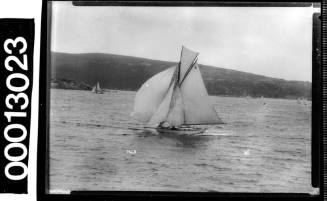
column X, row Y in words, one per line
column 275, row 42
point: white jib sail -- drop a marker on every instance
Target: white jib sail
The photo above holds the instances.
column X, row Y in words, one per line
column 151, row 94
column 175, row 116
column 160, row 115
column 98, row 89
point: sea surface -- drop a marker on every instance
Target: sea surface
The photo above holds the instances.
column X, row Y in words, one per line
column 264, row 146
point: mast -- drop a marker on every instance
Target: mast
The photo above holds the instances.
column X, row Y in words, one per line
column 175, row 116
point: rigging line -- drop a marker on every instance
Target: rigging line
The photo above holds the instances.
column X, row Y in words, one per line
column 189, row 69
column 179, row 65
column 173, row 78
column 174, row 81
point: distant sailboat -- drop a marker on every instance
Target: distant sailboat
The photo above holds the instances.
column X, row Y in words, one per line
column 97, row 89
column 176, row 98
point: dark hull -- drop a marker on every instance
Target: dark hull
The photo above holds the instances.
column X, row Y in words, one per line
column 182, row 131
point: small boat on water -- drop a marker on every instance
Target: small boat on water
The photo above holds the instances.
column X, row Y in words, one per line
column 176, row 100
column 97, row 89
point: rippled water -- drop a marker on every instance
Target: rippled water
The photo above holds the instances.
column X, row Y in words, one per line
column 265, row 146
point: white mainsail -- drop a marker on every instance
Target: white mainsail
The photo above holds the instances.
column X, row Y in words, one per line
column 197, row 106
column 97, row 89
column 176, row 96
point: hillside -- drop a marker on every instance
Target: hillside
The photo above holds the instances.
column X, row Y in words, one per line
column 129, row 73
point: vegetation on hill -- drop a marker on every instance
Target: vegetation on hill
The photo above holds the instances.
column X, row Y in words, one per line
column 81, row 71
column 62, row 83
